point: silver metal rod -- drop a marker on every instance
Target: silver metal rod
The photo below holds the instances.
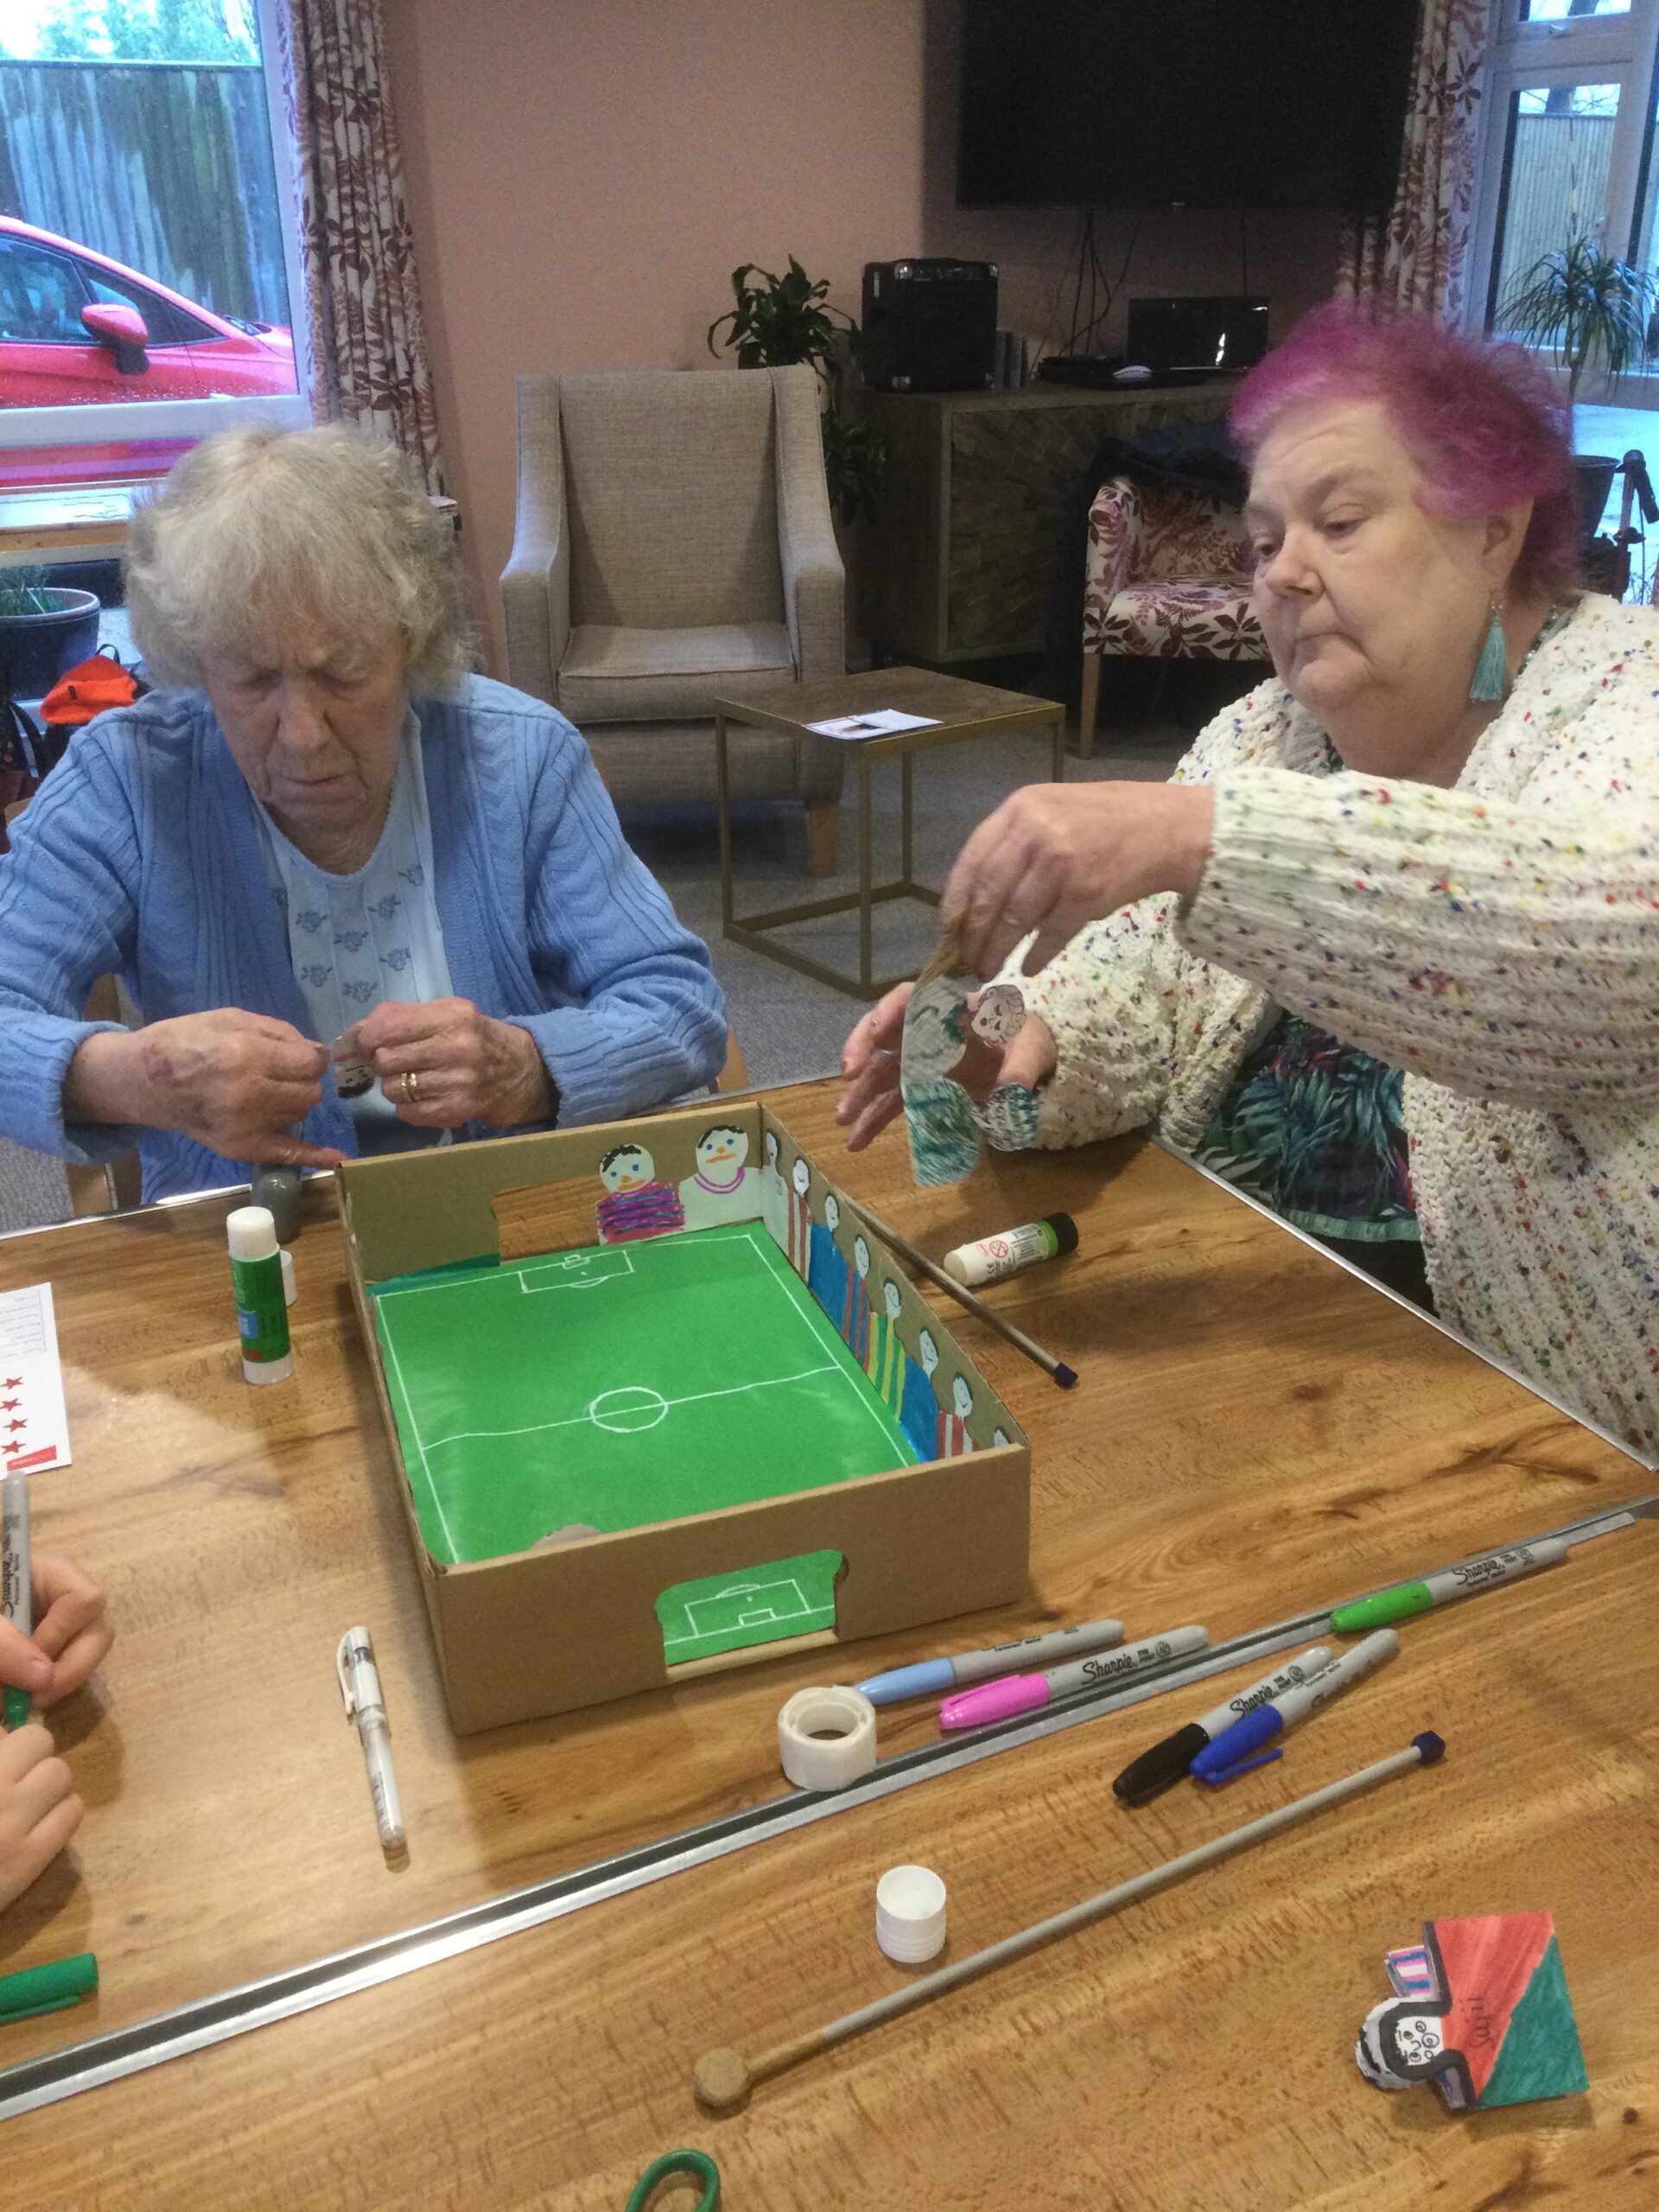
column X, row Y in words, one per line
column 205, row 2021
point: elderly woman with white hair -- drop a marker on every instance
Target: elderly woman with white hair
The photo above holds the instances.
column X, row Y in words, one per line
column 327, row 831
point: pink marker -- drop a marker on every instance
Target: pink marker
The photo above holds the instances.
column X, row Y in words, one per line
column 1011, row 1693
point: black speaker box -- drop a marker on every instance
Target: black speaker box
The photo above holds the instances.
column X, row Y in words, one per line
column 930, row 326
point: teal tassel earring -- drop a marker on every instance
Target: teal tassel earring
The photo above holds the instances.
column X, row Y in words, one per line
column 1491, row 679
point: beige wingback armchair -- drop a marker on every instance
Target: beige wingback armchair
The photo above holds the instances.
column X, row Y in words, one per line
column 673, row 547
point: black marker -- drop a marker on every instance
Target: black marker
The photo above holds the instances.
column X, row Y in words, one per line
column 1166, row 1763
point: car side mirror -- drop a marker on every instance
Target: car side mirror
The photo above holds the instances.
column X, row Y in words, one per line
column 123, row 331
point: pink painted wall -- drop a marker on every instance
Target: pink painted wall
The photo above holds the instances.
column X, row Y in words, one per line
column 584, row 174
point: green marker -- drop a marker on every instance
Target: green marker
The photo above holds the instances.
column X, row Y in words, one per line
column 1483, row 1574
column 16, row 1605
column 49, row 1988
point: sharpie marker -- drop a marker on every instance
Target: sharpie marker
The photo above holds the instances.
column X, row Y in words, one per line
column 929, row 1676
column 17, row 1599
column 1164, row 1765
column 1025, row 1692
column 1406, row 1598
column 1237, row 1749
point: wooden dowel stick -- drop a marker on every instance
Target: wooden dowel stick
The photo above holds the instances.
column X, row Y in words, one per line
column 1064, row 1375
column 723, row 2078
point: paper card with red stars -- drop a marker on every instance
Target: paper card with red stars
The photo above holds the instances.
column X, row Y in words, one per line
column 34, row 1426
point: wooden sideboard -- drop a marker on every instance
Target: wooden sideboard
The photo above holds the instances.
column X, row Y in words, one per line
column 976, row 498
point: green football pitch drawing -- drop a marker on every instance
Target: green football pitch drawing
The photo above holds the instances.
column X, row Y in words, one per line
column 622, row 1384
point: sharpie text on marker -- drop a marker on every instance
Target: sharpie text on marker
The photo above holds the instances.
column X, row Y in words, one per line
column 1166, row 1763
column 1240, row 1748
column 1405, row 1599
column 1025, row 1692
column 927, row 1677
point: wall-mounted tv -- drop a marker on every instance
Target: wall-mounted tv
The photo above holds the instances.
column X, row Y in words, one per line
column 1183, row 103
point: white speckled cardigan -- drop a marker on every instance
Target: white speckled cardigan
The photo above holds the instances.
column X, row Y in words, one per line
column 1499, row 942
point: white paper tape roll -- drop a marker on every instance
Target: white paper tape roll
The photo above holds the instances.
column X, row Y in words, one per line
column 826, row 1739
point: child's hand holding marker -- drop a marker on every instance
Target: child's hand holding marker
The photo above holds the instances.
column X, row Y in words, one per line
column 73, row 1632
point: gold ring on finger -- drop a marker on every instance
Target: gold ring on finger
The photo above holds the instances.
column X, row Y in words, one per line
column 411, row 1086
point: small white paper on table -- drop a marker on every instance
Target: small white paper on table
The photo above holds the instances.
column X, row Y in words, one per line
column 880, row 722
column 34, row 1426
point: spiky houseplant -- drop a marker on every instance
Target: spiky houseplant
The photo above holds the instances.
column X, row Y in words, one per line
column 1590, row 307
column 780, row 320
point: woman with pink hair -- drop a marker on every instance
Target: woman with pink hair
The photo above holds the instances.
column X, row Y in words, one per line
column 1385, row 951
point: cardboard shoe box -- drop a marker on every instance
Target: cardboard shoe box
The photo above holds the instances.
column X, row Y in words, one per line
column 548, row 1631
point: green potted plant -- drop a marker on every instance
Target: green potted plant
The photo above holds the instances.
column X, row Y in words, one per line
column 778, row 320
column 1590, row 307
column 43, row 630
column 1593, row 310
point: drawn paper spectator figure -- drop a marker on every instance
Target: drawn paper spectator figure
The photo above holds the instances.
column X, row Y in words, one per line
column 827, row 1271
column 722, row 1188
column 798, row 1224
column 886, row 1363
column 856, row 1313
column 635, row 1204
column 954, row 1438
column 918, row 1408
column 945, row 1125
column 774, row 1195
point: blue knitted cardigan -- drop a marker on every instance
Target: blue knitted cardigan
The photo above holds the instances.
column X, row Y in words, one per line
column 141, row 855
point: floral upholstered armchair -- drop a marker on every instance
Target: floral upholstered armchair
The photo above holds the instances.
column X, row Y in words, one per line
column 1168, row 577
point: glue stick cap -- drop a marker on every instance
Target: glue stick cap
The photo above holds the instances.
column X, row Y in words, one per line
column 252, row 1233
column 910, row 1914
column 1065, row 1232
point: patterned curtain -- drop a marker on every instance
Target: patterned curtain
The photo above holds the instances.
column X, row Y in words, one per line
column 1417, row 255
column 367, row 339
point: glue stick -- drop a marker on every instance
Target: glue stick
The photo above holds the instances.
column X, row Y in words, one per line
column 261, row 1309
column 993, row 1257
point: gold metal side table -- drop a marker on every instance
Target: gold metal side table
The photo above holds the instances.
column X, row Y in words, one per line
column 956, row 710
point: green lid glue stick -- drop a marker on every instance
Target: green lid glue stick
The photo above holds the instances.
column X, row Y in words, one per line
column 261, row 1309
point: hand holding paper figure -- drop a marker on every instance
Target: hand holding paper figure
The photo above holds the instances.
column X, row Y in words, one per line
column 871, row 1097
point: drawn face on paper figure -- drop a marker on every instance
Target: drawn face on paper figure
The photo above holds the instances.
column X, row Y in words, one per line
column 961, row 1396
column 721, row 1152
column 629, row 1167
column 932, row 1041
column 772, row 1151
column 831, row 1212
column 801, row 1176
column 1000, row 1014
column 891, row 1299
column 861, row 1257
column 928, row 1351
column 1417, row 2040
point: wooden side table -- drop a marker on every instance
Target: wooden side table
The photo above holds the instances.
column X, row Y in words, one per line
column 956, row 710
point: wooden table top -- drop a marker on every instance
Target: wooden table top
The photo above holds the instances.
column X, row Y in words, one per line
column 1255, row 1431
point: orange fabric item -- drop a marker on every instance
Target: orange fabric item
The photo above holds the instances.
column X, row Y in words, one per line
column 87, row 690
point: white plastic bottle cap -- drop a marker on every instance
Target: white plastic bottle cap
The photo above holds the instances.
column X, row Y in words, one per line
column 910, row 1914
column 252, row 1233
column 290, row 1288
column 826, row 1739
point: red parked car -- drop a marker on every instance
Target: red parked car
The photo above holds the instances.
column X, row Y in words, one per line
column 77, row 328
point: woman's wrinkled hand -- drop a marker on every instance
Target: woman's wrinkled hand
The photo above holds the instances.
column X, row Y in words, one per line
column 1056, row 855
column 72, row 1634
column 232, row 1081
column 462, row 1065
column 870, row 1096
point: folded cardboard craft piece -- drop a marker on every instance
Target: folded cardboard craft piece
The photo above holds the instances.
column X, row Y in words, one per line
column 547, row 1630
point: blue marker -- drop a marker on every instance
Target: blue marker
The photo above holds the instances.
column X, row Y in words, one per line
column 932, row 1677
column 1237, row 1749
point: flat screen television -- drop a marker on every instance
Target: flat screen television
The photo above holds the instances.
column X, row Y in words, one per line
column 1183, row 103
